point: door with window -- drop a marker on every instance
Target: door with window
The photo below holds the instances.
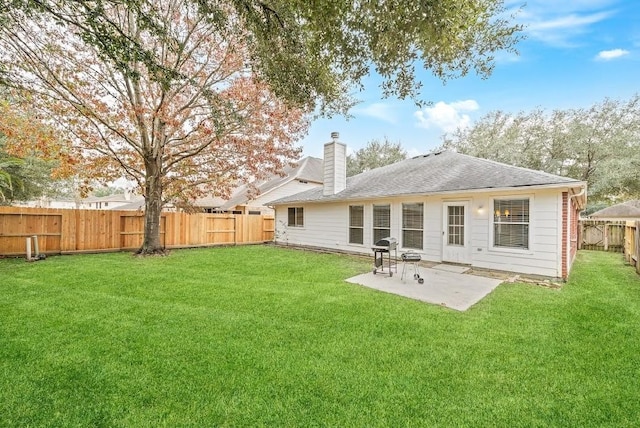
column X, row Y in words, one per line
column 456, row 235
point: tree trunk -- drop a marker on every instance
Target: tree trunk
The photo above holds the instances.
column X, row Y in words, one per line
column 152, row 243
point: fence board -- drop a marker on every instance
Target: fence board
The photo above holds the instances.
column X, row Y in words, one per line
column 602, row 235
column 69, row 231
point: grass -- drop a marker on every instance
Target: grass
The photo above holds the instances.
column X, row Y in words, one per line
column 264, row 336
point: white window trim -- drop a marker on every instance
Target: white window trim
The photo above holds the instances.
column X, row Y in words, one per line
column 364, row 224
column 402, row 229
column 372, row 228
column 304, row 218
column 492, row 247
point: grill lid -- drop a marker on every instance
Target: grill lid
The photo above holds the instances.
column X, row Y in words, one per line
column 388, row 242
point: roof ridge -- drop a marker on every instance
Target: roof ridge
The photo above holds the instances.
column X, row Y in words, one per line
column 502, row 164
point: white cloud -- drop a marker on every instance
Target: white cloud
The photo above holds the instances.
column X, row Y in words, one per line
column 561, row 23
column 380, row 111
column 447, row 117
column 560, row 30
column 611, row 54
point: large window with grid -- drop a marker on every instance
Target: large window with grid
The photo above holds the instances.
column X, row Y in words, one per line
column 356, row 224
column 511, row 223
column 296, row 217
column 455, row 218
column 381, row 222
column 412, row 225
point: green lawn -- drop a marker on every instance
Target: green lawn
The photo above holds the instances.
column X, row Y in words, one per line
column 263, row 336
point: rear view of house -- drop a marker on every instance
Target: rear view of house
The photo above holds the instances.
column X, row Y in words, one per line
column 446, row 206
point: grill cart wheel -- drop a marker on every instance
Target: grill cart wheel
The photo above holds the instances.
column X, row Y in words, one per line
column 420, row 280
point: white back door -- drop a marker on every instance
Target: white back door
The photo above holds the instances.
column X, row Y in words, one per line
column 456, row 236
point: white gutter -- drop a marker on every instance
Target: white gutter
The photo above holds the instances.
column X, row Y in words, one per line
column 583, row 191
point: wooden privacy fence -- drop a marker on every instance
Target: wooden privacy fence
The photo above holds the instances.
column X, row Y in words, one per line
column 602, row 235
column 65, row 231
column 616, row 236
column 632, row 243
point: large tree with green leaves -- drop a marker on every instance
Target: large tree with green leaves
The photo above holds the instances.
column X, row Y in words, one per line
column 309, row 55
column 376, row 154
column 599, row 144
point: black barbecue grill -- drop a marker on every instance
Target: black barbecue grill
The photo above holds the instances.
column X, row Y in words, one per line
column 381, row 248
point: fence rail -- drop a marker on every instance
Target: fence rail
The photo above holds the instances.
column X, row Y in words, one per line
column 62, row 231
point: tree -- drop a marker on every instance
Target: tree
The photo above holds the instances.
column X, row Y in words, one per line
column 215, row 126
column 600, row 144
column 375, row 155
column 308, row 53
column 182, row 94
column 7, row 176
column 33, row 159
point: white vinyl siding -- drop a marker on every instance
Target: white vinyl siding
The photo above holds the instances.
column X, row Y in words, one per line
column 326, row 225
column 287, row 189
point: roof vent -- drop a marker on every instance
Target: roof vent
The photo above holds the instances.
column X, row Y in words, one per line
column 335, row 136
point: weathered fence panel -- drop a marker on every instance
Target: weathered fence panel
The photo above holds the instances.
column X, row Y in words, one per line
column 632, row 243
column 602, row 235
column 68, row 231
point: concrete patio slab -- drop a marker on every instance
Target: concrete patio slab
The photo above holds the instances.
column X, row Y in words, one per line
column 453, row 290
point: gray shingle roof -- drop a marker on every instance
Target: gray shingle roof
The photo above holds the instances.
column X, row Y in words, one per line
column 629, row 209
column 308, row 169
column 438, row 172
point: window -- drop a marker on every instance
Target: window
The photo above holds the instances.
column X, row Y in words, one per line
column 356, row 224
column 381, row 222
column 412, row 225
column 511, row 223
column 456, row 225
column 296, row 217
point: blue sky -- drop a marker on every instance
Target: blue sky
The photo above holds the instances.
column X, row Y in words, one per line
column 576, row 54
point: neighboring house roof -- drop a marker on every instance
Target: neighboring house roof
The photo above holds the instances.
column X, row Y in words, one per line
column 629, row 209
column 137, row 204
column 118, row 197
column 307, row 169
column 437, row 172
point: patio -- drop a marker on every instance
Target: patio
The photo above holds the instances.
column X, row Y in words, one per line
column 444, row 285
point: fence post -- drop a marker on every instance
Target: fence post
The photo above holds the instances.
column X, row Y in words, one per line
column 637, row 246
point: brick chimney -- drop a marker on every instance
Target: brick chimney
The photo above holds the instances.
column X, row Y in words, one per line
column 335, row 166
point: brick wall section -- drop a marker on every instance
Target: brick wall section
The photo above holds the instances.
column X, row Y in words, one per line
column 565, row 227
column 575, row 213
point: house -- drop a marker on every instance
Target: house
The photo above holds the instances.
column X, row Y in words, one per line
column 45, row 202
column 306, row 174
column 446, row 206
column 629, row 210
column 115, row 201
column 111, row 202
